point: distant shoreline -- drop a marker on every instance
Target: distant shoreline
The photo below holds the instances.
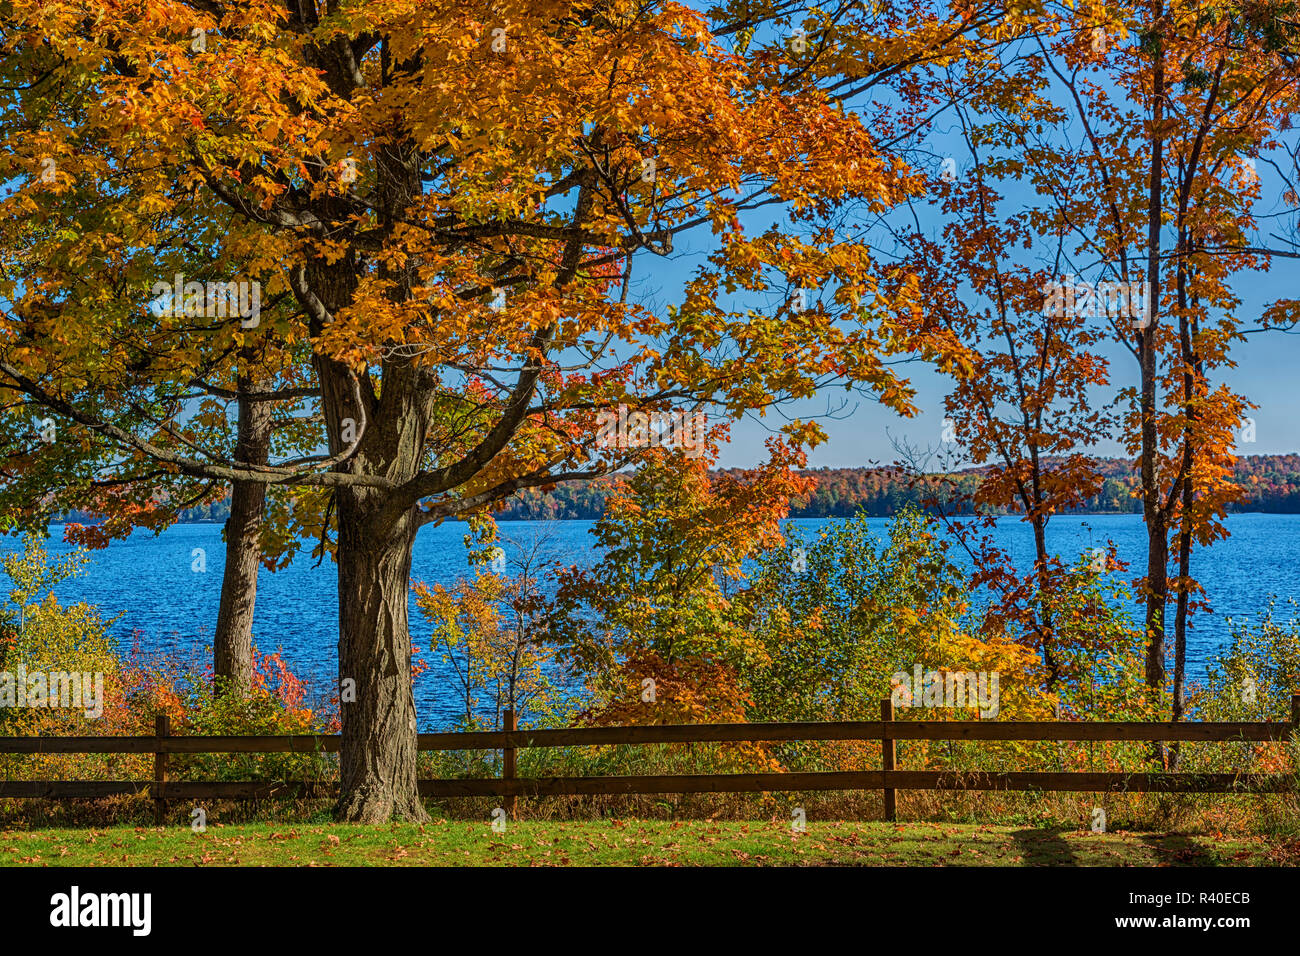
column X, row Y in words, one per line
column 804, row 517
column 1270, row 485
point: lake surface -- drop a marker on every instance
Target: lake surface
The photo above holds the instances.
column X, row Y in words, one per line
column 165, row 605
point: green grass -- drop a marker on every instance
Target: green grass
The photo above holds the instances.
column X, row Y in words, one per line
column 630, row 843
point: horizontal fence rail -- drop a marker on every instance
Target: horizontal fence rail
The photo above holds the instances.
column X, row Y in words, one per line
column 888, row 779
column 669, row 734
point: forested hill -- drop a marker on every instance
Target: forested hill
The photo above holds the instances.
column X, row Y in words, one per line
column 1272, row 484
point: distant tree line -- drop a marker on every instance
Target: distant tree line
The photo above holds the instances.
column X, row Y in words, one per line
column 1272, row 484
column 215, row 512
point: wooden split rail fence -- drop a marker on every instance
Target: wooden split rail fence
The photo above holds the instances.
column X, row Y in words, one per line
column 888, row 778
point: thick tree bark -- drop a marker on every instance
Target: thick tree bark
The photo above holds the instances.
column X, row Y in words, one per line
column 377, row 760
column 233, row 640
column 380, row 424
column 376, row 533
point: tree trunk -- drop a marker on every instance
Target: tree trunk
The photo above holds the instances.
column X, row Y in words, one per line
column 233, row 640
column 384, row 430
column 1191, row 371
column 1152, row 507
column 375, row 535
column 377, row 759
column 1157, row 599
column 1180, row 619
column 376, row 531
column 1180, row 616
column 1041, row 562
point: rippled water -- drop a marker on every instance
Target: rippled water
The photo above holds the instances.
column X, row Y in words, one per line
column 168, row 606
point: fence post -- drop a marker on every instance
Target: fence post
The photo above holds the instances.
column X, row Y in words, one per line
column 162, row 728
column 888, row 754
column 508, row 764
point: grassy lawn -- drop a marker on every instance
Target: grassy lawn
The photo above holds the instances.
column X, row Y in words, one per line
column 630, row 842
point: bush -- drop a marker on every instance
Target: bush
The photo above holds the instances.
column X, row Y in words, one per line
column 1255, row 676
column 40, row 635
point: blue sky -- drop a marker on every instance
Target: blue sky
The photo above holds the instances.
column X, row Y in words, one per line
column 1267, row 374
column 866, row 433
column 863, row 433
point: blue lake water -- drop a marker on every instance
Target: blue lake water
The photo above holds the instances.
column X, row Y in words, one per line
column 165, row 605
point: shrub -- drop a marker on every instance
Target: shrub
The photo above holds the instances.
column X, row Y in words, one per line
column 40, row 635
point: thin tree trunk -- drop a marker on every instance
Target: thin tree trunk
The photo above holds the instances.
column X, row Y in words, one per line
column 1041, row 559
column 1192, row 372
column 233, row 640
column 1189, row 451
column 1153, row 511
column 1180, row 617
column 1157, row 596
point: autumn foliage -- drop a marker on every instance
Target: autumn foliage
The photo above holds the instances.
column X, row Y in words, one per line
column 436, row 220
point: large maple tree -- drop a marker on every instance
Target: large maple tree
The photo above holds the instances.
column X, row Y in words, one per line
column 448, row 202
